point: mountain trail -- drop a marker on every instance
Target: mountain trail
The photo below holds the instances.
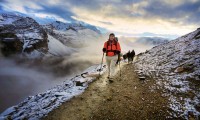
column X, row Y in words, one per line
column 125, row 98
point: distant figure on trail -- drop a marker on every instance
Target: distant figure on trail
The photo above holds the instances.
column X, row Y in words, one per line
column 112, row 49
column 130, row 56
column 125, row 56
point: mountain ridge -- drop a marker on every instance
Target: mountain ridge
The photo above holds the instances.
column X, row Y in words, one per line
column 23, row 35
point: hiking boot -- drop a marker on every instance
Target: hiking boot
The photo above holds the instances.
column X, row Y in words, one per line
column 110, row 80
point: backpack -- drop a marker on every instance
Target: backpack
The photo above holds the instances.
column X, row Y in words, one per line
column 116, row 39
column 115, row 43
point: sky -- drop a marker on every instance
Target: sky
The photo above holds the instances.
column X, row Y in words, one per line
column 164, row 18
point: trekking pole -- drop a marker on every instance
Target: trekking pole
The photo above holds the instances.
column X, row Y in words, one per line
column 119, row 59
column 101, row 64
column 120, row 70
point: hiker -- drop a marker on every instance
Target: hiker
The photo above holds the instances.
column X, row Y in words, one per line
column 112, row 50
column 130, row 56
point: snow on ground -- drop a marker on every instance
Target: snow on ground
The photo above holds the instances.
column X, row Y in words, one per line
column 34, row 54
column 33, row 36
column 35, row 107
column 176, row 68
column 8, row 19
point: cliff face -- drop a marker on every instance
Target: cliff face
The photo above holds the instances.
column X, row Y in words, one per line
column 19, row 34
column 10, row 44
column 22, row 35
column 175, row 66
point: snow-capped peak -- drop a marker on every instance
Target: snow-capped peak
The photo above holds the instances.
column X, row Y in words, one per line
column 57, row 25
column 1, row 18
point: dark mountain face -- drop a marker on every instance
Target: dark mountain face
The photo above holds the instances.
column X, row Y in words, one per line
column 10, row 44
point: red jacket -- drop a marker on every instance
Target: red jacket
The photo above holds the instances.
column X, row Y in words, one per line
column 111, row 47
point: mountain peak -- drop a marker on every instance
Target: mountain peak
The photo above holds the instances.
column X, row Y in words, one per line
column 25, row 32
column 58, row 25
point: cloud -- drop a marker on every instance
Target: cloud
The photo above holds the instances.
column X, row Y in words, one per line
column 170, row 17
column 107, row 23
column 145, row 16
column 178, row 11
column 51, row 8
column 59, row 10
column 131, row 25
column 19, row 5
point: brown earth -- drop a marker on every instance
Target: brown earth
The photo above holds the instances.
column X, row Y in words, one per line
column 127, row 98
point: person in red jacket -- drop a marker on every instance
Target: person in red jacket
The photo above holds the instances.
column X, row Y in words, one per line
column 112, row 49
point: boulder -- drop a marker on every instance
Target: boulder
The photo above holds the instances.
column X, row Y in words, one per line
column 179, row 69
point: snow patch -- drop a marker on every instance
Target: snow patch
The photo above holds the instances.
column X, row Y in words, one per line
column 57, row 48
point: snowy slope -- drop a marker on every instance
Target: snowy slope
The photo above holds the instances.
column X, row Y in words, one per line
column 76, row 39
column 63, row 37
column 35, row 107
column 176, row 68
column 57, row 25
column 57, row 48
column 8, row 18
column 27, row 31
column 32, row 38
column 1, row 17
column 72, row 34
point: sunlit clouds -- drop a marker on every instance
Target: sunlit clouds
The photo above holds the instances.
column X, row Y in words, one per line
column 124, row 17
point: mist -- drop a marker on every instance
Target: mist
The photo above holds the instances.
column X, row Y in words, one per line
column 17, row 82
column 131, row 43
column 21, row 78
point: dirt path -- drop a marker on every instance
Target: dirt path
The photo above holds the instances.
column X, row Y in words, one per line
column 124, row 99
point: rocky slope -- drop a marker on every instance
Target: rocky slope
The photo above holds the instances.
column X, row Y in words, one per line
column 22, row 34
column 26, row 35
column 72, row 34
column 58, row 25
column 176, row 68
column 35, row 107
